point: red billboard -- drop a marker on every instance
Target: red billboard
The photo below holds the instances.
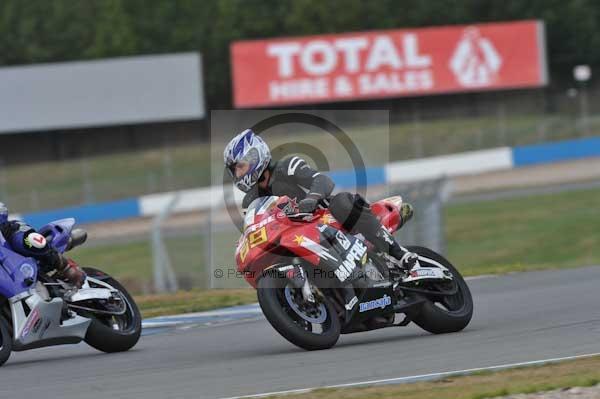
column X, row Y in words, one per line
column 391, row 63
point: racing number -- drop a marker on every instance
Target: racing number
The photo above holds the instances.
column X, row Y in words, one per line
column 254, row 239
column 257, row 237
column 244, row 250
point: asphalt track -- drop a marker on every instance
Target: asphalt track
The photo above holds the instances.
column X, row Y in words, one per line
column 518, row 318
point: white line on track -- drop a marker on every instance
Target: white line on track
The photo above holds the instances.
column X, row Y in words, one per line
column 481, row 276
column 422, row 377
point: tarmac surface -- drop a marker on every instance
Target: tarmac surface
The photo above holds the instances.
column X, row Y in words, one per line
column 519, row 317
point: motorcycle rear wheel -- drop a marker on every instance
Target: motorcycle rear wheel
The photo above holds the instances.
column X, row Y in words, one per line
column 296, row 320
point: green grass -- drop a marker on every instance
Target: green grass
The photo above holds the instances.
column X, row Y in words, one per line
column 131, row 262
column 575, row 373
column 118, row 176
column 538, row 232
column 193, row 301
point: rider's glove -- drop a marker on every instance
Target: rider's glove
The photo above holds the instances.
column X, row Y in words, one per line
column 308, row 205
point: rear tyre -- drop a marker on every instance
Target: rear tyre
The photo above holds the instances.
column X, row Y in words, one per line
column 445, row 314
column 6, row 341
column 114, row 333
column 311, row 327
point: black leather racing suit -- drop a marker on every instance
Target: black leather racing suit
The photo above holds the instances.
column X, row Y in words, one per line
column 294, row 177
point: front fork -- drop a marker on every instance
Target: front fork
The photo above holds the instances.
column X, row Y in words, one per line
column 298, row 278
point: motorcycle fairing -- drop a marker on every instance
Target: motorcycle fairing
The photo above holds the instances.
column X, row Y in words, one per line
column 17, row 273
column 58, row 233
column 42, row 326
column 268, row 230
column 36, row 319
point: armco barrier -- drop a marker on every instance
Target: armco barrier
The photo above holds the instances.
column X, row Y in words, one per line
column 397, row 172
column 93, row 213
column 556, row 152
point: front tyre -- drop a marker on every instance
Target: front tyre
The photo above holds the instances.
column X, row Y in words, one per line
column 445, row 314
column 109, row 333
column 309, row 326
column 6, row 341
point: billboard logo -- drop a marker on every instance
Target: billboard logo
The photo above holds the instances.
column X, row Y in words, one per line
column 475, row 61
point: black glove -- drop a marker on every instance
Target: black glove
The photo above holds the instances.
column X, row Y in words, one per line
column 308, row 205
column 8, row 228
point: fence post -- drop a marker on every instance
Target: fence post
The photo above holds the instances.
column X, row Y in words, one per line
column 208, row 250
column 164, row 276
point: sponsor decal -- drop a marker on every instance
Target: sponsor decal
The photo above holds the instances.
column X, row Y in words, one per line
column 290, row 207
column 299, row 239
column 257, row 226
column 423, row 272
column 379, row 303
column 35, row 240
column 351, row 304
column 356, row 254
column 343, row 240
column 36, row 326
column 34, row 317
column 387, row 237
column 314, row 247
column 327, row 219
column 27, row 270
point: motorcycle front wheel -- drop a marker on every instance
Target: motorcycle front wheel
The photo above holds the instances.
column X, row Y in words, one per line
column 6, row 340
column 311, row 326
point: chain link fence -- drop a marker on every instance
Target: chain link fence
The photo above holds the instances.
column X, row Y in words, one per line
column 201, row 254
column 426, row 228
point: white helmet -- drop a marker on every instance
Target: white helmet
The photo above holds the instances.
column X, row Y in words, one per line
column 248, row 148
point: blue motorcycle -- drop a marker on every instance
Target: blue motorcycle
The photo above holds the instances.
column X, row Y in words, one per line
column 37, row 310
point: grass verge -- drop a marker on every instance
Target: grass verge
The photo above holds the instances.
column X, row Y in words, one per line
column 580, row 373
column 193, row 301
column 522, row 234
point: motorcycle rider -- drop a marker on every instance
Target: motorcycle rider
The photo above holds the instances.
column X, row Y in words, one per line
column 248, row 160
column 24, row 240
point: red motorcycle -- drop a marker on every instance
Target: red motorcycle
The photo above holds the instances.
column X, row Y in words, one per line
column 316, row 281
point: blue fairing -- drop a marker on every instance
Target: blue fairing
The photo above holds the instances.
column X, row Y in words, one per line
column 14, row 270
column 58, row 233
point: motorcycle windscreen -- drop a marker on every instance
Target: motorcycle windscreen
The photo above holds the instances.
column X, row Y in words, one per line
column 258, row 208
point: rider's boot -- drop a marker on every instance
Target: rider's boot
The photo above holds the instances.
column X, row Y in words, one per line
column 406, row 213
column 68, row 270
column 385, row 242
